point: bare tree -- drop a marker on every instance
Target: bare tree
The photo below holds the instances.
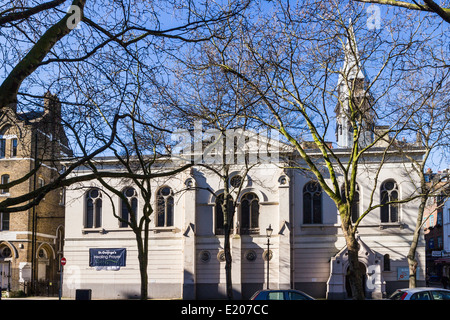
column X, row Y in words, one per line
column 105, row 61
column 292, row 59
column 430, row 125
column 82, row 51
column 209, row 104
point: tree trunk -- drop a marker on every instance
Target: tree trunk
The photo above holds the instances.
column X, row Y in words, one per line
column 143, row 263
column 412, row 261
column 228, row 213
column 228, row 261
column 354, row 270
column 355, row 276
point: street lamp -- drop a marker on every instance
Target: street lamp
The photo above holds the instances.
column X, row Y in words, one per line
column 269, row 231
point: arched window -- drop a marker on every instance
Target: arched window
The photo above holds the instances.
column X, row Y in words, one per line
column 389, row 192
column 355, row 203
column 131, row 196
column 312, row 203
column 5, row 180
column 249, row 213
column 164, row 204
column 93, row 218
column 219, row 218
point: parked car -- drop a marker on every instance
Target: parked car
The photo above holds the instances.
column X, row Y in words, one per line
column 289, row 294
column 421, row 294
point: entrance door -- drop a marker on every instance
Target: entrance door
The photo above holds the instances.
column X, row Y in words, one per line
column 362, row 270
column 4, row 275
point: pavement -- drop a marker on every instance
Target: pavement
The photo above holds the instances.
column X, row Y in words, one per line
column 32, row 298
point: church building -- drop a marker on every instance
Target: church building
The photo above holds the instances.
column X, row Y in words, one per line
column 305, row 251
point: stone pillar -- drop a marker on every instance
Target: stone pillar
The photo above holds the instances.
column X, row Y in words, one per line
column 189, row 256
column 236, row 266
column 284, row 234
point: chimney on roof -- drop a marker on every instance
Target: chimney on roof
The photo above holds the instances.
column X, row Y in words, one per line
column 51, row 118
column 52, row 106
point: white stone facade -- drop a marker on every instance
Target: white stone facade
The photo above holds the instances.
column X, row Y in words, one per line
column 185, row 258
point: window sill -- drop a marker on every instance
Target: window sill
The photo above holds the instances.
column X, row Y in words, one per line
column 93, row 230
column 165, row 229
column 387, row 225
column 248, row 231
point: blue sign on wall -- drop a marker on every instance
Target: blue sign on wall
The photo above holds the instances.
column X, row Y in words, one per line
column 107, row 257
column 403, row 273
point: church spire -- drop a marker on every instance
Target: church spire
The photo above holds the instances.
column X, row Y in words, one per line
column 351, row 69
column 353, row 95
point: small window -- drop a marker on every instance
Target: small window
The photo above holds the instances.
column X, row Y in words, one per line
column 14, row 147
column 41, row 182
column 165, row 207
column 4, row 221
column 5, row 180
column 386, row 263
column 62, row 196
column 2, row 148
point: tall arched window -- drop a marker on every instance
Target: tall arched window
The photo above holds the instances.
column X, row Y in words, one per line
column 355, row 203
column 93, row 218
column 249, row 213
column 131, row 196
column 164, row 204
column 388, row 193
column 219, row 218
column 312, row 203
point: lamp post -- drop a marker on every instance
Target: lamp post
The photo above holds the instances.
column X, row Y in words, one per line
column 269, row 231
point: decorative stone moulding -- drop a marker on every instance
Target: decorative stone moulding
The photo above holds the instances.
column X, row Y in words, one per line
column 264, row 255
column 250, row 255
column 205, row 256
column 221, row 256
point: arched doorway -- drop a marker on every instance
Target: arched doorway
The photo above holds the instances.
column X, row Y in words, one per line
column 363, row 272
column 45, row 270
column 5, row 267
column 370, row 263
column 43, row 264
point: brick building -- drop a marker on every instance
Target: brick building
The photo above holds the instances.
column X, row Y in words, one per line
column 31, row 240
column 435, row 225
